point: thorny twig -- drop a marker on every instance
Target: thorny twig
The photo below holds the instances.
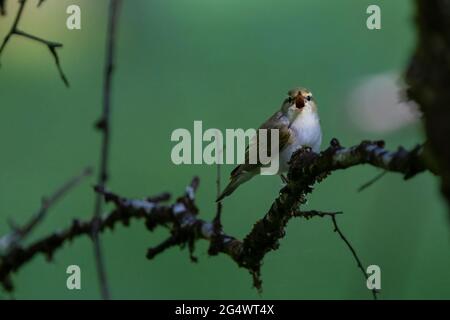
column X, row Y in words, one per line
column 186, row 228
column 104, row 126
column 52, row 46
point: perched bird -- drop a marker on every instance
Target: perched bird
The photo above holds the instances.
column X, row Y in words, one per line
column 298, row 125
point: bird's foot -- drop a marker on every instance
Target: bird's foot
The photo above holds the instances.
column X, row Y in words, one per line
column 307, row 149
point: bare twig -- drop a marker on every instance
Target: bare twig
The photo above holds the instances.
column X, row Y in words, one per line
column 219, row 205
column 371, row 181
column 214, row 247
column 332, row 215
column 218, row 191
column 104, row 126
column 13, row 29
column 185, row 227
column 19, row 233
column 2, row 7
column 52, row 46
column 353, row 251
column 314, row 213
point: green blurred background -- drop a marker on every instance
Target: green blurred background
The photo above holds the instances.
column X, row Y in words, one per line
column 230, row 64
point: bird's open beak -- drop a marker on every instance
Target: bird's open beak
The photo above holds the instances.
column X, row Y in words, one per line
column 299, row 101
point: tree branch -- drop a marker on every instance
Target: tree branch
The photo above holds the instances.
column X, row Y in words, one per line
column 185, row 227
column 104, row 126
column 2, row 7
column 332, row 215
column 52, row 46
column 19, row 233
column 306, row 169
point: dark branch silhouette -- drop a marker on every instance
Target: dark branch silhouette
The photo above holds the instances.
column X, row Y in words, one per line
column 104, row 125
column 19, row 233
column 372, row 181
column 12, row 241
column 52, row 46
column 2, row 7
column 217, row 221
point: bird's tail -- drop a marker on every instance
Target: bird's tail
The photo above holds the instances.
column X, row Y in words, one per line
column 235, row 182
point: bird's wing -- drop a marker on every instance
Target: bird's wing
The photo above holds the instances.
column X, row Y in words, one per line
column 285, row 135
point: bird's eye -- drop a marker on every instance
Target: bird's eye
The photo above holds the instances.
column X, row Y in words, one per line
column 290, row 100
column 309, row 98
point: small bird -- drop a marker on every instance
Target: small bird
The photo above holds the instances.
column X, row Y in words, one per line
column 298, row 125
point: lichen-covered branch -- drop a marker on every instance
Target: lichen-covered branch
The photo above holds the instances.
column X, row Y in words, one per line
column 306, row 169
column 181, row 217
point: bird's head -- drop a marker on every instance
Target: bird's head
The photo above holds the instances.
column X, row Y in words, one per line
column 299, row 100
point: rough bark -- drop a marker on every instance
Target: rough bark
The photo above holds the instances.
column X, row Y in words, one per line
column 429, row 78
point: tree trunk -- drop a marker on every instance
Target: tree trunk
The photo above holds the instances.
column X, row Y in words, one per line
column 428, row 76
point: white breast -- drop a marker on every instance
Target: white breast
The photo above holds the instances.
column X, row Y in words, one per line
column 307, row 132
